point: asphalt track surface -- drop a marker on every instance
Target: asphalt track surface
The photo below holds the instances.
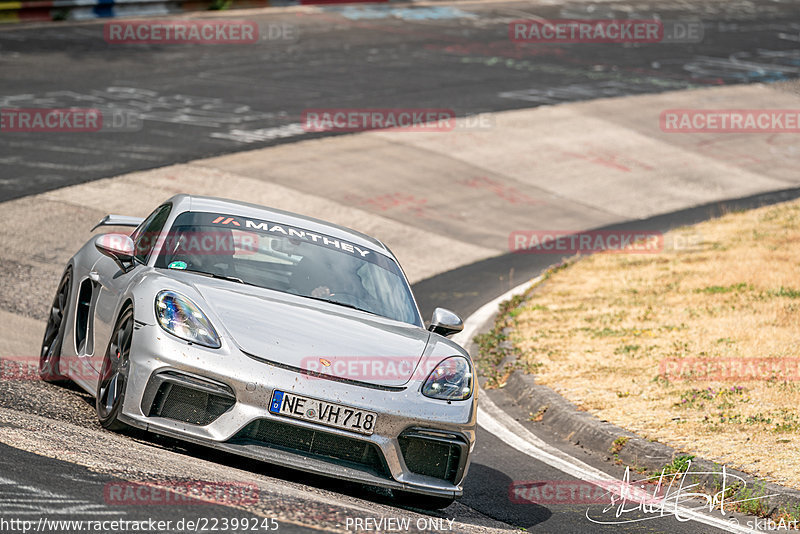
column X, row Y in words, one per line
column 175, row 103
column 189, row 102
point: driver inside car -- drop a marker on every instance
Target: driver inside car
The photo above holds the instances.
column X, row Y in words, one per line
column 332, row 275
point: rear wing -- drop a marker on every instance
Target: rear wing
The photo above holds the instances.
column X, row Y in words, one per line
column 118, row 220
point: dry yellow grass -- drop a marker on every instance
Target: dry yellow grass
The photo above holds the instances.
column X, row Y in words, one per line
column 601, row 327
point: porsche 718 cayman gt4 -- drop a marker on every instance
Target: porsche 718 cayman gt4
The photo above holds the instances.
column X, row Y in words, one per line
column 270, row 335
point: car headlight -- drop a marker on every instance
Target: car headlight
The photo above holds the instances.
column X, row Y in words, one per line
column 451, row 380
column 181, row 317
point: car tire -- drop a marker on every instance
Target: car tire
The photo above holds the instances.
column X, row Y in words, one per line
column 422, row 502
column 50, row 353
column 114, row 374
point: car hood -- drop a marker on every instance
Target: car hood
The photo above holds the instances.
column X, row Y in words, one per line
column 307, row 334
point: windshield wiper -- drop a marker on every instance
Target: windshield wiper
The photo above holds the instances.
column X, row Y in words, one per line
column 218, row 276
column 344, row 304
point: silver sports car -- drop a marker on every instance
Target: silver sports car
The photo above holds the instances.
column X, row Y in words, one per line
column 270, row 335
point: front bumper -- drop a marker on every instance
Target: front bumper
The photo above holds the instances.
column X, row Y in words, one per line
column 236, row 389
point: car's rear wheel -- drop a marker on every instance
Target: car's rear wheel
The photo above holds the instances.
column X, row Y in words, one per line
column 423, row 502
column 114, row 374
column 50, row 352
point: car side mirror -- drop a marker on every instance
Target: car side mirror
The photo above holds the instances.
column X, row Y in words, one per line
column 118, row 247
column 445, row 322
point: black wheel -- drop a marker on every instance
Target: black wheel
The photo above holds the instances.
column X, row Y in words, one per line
column 114, row 374
column 54, row 333
column 423, row 502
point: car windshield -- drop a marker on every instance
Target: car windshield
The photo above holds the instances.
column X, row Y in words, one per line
column 288, row 259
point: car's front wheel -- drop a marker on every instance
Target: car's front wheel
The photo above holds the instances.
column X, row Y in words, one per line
column 423, row 502
column 54, row 333
column 114, row 374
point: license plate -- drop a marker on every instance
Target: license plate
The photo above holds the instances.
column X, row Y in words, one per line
column 322, row 412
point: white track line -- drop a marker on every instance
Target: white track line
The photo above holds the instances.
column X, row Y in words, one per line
column 495, row 421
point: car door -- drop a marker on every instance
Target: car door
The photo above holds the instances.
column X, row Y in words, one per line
column 113, row 281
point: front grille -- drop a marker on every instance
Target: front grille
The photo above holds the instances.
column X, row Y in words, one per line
column 189, row 405
column 323, row 445
column 434, row 458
